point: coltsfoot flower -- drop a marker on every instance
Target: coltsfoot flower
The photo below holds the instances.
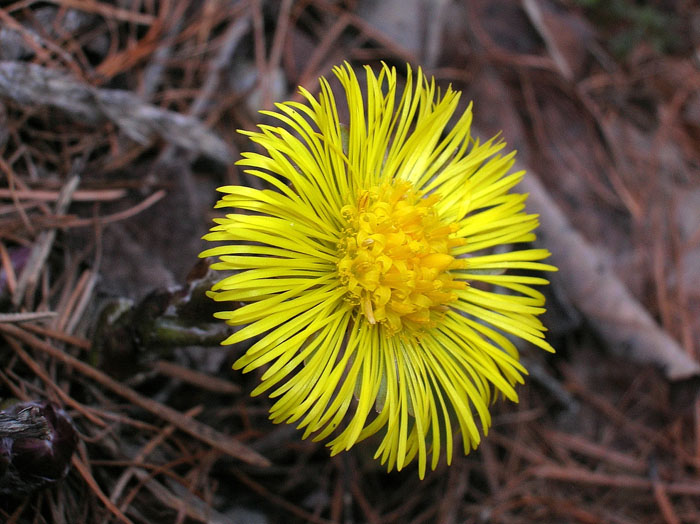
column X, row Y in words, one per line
column 366, row 269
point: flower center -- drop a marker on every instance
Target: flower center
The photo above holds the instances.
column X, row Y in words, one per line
column 394, row 258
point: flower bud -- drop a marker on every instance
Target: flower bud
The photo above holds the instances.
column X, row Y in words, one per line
column 37, row 440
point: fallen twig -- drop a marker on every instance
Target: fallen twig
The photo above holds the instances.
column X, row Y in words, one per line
column 40, row 251
column 152, row 444
column 598, row 293
column 90, row 480
column 196, row 378
column 580, row 475
column 26, row 317
column 203, row 432
column 97, row 195
column 120, row 215
column 32, row 84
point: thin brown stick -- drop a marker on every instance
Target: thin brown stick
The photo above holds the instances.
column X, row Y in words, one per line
column 581, row 445
column 279, row 501
column 121, row 215
column 78, row 342
column 11, row 178
column 186, row 502
column 26, row 317
column 578, row 475
column 39, row 372
column 81, row 195
column 102, row 9
column 29, row 278
column 84, row 298
column 665, row 505
column 10, row 278
column 146, row 450
column 201, row 380
column 197, row 429
column 67, row 308
column 90, row 480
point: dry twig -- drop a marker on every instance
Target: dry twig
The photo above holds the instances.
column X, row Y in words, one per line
column 599, row 294
column 193, row 427
column 31, row 84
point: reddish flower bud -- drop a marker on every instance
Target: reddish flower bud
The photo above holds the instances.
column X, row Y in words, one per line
column 37, row 440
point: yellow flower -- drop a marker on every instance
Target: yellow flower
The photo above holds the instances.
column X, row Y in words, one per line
column 365, row 268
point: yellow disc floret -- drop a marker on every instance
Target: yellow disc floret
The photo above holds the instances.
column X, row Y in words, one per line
column 394, row 258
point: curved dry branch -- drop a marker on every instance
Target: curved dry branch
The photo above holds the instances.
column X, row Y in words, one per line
column 34, row 85
column 598, row 293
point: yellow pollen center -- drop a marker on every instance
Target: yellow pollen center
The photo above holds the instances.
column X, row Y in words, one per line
column 394, row 258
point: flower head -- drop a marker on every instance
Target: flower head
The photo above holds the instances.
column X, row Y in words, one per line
column 365, row 268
